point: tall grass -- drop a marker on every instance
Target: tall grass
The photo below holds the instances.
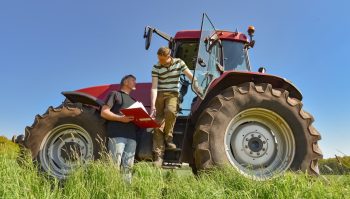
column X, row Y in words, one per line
column 101, row 179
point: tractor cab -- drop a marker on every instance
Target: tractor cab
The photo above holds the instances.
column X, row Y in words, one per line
column 207, row 53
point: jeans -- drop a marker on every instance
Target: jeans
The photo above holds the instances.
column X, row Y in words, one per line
column 123, row 154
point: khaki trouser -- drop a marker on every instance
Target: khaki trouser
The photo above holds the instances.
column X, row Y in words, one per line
column 166, row 109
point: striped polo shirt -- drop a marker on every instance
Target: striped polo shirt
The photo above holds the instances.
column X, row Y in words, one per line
column 169, row 77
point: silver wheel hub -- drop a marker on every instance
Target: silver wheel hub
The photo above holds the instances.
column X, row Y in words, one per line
column 259, row 143
column 64, row 148
column 256, row 143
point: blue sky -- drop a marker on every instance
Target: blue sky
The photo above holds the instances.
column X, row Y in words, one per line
column 51, row 46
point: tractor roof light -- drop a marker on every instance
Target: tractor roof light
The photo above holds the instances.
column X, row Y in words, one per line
column 251, row 31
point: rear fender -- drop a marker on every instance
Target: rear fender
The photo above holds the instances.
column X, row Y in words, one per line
column 97, row 95
column 84, row 98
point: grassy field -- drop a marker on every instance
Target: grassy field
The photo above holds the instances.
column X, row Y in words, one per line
column 100, row 180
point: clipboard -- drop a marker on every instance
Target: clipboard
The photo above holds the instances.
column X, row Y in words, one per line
column 141, row 117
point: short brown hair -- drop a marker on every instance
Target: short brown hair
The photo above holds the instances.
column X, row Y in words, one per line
column 122, row 82
column 163, row 51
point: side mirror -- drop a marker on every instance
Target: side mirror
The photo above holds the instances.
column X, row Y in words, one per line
column 148, row 36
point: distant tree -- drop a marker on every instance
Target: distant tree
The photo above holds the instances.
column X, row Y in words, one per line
column 335, row 166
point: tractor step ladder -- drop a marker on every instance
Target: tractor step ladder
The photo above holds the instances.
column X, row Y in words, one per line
column 173, row 156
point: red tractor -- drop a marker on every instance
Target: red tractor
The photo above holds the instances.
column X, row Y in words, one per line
column 250, row 120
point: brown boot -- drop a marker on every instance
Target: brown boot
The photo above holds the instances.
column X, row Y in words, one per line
column 158, row 162
column 169, row 143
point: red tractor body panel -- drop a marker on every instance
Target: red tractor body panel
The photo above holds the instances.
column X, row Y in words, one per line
column 223, row 35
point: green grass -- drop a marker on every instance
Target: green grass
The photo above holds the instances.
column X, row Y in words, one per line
column 100, row 179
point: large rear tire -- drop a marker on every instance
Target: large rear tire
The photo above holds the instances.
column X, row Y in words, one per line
column 65, row 137
column 257, row 129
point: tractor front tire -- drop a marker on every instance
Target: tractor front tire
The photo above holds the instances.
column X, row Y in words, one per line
column 257, row 129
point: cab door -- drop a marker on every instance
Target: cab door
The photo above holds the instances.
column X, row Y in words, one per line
column 209, row 58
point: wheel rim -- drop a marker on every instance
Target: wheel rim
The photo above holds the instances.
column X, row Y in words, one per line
column 64, row 148
column 259, row 143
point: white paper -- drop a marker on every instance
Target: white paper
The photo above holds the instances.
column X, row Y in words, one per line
column 137, row 105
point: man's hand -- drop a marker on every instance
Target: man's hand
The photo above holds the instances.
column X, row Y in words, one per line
column 126, row 119
column 197, row 88
column 107, row 114
column 153, row 112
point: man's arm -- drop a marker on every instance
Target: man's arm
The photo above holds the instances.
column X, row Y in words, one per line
column 154, row 91
column 107, row 114
column 189, row 75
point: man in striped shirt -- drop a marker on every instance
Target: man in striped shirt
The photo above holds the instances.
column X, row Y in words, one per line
column 164, row 99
